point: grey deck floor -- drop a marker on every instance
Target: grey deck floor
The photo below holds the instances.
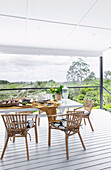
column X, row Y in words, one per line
column 97, row 156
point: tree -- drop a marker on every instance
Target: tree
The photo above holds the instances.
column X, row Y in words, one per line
column 78, row 71
column 90, row 77
column 107, row 74
column 4, row 82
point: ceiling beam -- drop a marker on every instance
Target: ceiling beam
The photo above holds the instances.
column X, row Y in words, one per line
column 6, row 49
column 55, row 22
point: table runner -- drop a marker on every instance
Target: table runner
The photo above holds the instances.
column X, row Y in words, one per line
column 49, row 109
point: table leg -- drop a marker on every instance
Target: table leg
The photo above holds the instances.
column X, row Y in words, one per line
column 39, row 119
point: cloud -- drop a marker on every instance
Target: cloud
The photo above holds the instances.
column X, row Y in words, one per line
column 39, row 68
column 32, row 68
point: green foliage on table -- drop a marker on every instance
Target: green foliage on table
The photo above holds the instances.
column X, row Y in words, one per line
column 56, row 90
column 52, row 90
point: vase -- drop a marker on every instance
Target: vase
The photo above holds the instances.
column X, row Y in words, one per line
column 58, row 96
column 53, row 96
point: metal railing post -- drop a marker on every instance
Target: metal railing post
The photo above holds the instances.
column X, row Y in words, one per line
column 26, row 93
column 101, row 82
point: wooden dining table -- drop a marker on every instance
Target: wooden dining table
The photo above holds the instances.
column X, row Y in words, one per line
column 63, row 104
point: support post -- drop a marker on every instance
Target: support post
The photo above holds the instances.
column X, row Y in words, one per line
column 101, row 82
column 26, row 93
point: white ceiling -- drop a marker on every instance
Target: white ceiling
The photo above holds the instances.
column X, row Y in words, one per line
column 76, row 25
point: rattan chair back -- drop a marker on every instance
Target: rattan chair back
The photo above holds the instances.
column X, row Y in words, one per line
column 15, row 123
column 74, row 119
column 88, row 105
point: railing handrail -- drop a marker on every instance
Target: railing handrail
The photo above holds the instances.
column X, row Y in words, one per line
column 83, row 87
column 45, row 88
column 106, row 90
column 25, row 88
column 34, row 88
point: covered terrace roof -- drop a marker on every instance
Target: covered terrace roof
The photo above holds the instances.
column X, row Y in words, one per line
column 61, row 27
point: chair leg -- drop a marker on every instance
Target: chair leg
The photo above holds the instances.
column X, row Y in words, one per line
column 90, row 124
column 67, row 152
column 81, row 140
column 49, row 136
column 13, row 139
column 36, row 136
column 4, row 147
column 39, row 119
column 27, row 148
column 84, row 121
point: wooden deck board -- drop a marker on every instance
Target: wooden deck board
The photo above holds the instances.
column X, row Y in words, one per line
column 97, row 156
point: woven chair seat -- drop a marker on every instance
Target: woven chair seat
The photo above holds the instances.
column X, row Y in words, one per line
column 86, row 112
column 61, row 125
column 30, row 124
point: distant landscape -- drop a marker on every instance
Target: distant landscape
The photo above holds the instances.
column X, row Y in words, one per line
column 76, row 94
column 79, row 74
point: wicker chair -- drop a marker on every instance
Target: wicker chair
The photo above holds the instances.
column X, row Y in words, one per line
column 70, row 124
column 16, row 126
column 87, row 111
column 33, row 121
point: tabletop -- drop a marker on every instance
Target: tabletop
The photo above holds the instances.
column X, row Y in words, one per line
column 64, row 104
column 69, row 103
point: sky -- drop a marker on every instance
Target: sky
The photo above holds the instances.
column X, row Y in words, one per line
column 16, row 68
